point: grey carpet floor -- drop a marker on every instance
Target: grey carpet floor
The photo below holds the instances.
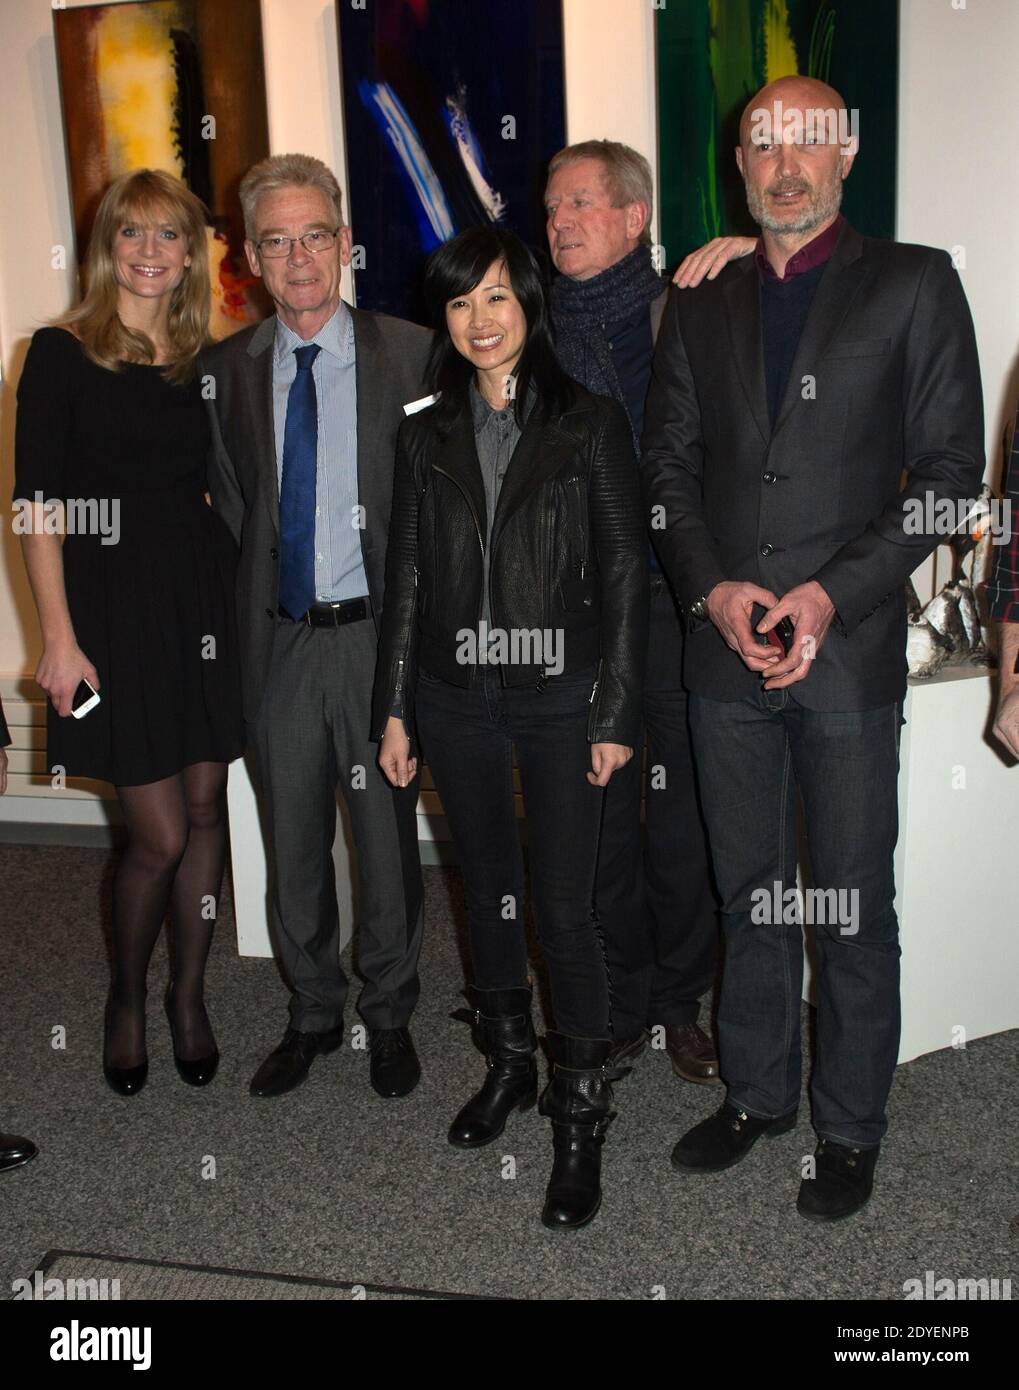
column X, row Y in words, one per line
column 332, row 1183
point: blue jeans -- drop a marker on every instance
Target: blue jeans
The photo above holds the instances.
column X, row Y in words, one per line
column 751, row 755
column 468, row 737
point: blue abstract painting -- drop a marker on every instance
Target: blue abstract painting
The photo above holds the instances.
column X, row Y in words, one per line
column 452, row 110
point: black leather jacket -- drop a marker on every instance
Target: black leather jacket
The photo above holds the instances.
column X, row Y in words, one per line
column 568, row 555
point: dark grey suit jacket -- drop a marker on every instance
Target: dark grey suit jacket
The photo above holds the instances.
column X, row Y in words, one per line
column 885, row 383
column 390, row 360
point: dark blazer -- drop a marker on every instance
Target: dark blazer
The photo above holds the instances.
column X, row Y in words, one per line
column 568, row 555
column 390, row 361
column 892, row 387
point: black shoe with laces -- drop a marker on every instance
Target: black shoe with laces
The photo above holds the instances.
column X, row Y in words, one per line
column 288, row 1065
column 842, row 1183
column 394, row 1066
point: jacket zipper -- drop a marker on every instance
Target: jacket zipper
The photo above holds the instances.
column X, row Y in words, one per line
column 398, row 692
column 581, row 527
column 592, row 722
column 547, row 606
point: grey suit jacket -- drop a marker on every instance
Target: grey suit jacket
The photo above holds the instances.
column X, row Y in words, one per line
column 390, row 362
column 885, row 384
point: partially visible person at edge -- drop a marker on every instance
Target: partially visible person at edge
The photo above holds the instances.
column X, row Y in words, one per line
column 110, row 408
column 654, row 900
column 1003, row 607
column 15, row 1150
column 516, row 511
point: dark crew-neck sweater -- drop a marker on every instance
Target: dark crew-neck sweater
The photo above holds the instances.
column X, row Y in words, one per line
column 785, row 305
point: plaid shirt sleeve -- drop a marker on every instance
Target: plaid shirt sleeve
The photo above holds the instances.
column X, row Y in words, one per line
column 1002, row 587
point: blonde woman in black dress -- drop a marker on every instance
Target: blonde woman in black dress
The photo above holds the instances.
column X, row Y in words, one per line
column 110, row 412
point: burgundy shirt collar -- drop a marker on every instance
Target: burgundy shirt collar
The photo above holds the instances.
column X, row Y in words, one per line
column 815, row 253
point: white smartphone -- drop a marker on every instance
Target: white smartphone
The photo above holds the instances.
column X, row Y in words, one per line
column 86, row 697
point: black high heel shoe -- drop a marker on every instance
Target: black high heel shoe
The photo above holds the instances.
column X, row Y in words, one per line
column 200, row 1071
column 126, row 1081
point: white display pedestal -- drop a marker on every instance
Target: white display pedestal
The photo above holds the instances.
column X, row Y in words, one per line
column 252, row 907
column 954, row 867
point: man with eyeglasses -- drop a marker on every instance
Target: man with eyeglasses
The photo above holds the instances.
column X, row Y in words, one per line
column 305, row 411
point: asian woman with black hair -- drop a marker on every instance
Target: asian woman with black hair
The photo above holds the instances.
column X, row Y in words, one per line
column 515, row 622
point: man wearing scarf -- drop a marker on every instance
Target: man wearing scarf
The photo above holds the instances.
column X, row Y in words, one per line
column 655, row 905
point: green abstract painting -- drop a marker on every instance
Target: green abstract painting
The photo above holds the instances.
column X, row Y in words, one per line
column 713, row 55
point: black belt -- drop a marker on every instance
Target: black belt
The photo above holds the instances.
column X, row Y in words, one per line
column 350, row 610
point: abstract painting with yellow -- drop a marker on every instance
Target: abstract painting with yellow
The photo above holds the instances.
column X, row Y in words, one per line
column 175, row 85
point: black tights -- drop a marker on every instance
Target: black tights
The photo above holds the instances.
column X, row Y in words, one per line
column 176, row 849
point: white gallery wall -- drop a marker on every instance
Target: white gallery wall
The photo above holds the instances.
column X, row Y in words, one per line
column 957, row 183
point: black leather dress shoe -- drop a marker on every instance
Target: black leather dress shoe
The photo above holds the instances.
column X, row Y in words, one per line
column 14, row 1151
column 842, row 1184
column 289, row 1064
column 395, row 1069
column 628, row 1049
column 693, row 1055
column 720, row 1141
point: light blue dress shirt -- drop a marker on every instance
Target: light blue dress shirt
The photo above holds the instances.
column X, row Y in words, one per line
column 339, row 565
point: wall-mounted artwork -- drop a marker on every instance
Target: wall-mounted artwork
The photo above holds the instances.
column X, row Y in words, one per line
column 713, row 55
column 139, row 84
column 452, row 110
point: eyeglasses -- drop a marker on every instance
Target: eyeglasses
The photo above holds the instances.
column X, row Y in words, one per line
column 277, row 246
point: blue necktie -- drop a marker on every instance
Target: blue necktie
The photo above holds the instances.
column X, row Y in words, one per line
column 297, row 489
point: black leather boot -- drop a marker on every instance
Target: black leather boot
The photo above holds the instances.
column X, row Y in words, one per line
column 577, row 1100
column 505, row 1033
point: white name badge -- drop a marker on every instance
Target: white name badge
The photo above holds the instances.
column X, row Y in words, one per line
column 412, row 407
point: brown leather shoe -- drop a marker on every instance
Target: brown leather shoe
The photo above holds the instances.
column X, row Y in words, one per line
column 692, row 1053
column 627, row 1049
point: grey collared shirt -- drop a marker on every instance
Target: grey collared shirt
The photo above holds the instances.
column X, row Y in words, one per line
column 339, row 565
column 496, row 434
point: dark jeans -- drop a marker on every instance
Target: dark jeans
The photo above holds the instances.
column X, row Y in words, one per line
column 655, row 902
column 468, row 737
column 751, row 754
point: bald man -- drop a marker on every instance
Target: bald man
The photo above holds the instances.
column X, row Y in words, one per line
column 789, row 398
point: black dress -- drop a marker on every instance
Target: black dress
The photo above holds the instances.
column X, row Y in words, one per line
column 153, row 607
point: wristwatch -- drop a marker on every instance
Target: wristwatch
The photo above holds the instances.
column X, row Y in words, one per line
column 699, row 608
